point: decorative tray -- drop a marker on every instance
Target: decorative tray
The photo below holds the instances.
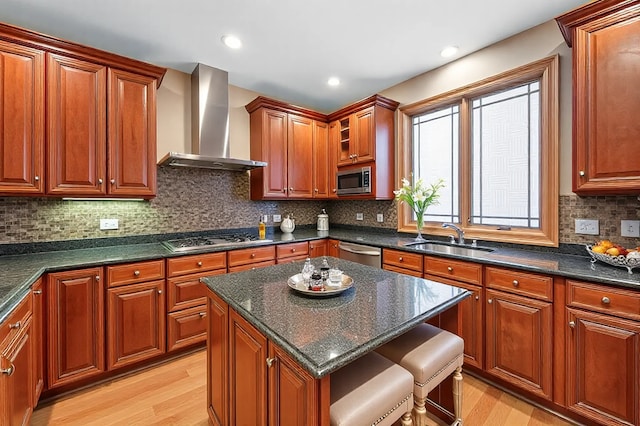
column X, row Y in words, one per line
column 298, row 283
column 620, row 261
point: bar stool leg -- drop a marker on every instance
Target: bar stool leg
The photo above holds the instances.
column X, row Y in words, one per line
column 457, row 396
column 419, row 411
column 406, row 420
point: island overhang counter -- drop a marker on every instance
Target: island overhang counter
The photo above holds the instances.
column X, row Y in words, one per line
column 269, row 345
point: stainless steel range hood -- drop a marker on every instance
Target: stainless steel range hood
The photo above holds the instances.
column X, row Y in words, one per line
column 209, row 125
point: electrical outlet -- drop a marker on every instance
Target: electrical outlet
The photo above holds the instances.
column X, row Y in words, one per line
column 107, row 224
column 265, row 218
column 630, row 228
column 587, row 226
column 380, row 217
column 277, row 218
column 359, row 216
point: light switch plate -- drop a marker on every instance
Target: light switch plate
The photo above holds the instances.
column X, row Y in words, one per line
column 277, row 218
column 380, row 217
column 587, row 226
column 630, row 228
column 359, row 216
column 108, row 224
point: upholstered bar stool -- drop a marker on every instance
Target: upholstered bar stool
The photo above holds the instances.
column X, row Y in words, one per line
column 431, row 355
column 371, row 391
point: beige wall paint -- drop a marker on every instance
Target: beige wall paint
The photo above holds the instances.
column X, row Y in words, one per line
column 528, row 46
column 174, row 116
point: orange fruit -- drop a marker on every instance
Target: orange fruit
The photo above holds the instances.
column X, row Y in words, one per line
column 606, row 244
column 598, row 249
column 613, row 251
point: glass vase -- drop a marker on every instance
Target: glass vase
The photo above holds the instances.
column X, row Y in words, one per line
column 419, row 224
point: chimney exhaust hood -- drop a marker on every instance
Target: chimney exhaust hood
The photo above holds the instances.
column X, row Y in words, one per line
column 209, row 125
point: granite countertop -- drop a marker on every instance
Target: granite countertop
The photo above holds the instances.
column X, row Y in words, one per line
column 18, row 272
column 324, row 334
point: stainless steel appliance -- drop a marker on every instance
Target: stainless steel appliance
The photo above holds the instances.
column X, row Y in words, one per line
column 200, row 242
column 354, row 181
column 366, row 255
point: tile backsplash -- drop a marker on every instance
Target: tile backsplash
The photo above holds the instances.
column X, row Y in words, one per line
column 201, row 200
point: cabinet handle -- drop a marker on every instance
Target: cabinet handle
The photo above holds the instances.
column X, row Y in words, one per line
column 8, row 371
column 99, row 181
column 202, row 314
column 270, row 361
column 449, row 268
column 581, row 173
column 400, row 259
column 36, row 178
column 572, row 324
column 516, row 283
column 15, row 325
column 113, row 181
column 606, row 300
column 136, row 273
column 37, row 291
column 199, row 263
column 490, row 301
column 159, row 291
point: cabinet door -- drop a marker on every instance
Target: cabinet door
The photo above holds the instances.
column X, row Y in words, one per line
column 318, row 248
column 334, row 141
column 16, row 377
column 321, row 160
column 333, row 248
column 293, row 393
column 269, row 143
column 38, row 340
column 247, row 373
column 217, row 360
column 364, row 135
column 136, row 323
column 132, row 134
column 186, row 327
column 603, row 367
column 300, row 157
column 75, row 326
column 76, row 126
column 471, row 325
column 519, row 341
column 21, row 120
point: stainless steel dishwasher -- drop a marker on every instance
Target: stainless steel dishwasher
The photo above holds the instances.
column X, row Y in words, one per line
column 367, row 255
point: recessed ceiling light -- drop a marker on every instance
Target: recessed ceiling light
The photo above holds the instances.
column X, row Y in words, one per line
column 231, row 41
column 333, row 81
column 449, row 51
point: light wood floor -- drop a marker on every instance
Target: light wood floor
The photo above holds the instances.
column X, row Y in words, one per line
column 174, row 393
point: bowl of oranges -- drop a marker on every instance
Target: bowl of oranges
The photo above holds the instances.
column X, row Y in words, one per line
column 615, row 254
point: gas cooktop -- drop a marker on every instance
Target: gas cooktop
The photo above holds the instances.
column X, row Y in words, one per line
column 197, row 243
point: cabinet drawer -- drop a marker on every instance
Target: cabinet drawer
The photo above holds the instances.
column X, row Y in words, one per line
column 455, row 269
column 135, row 272
column 250, row 255
column 196, row 263
column 402, row 259
column 255, row 265
column 186, row 327
column 611, row 300
column 292, row 259
column 293, row 249
column 185, row 292
column 411, row 272
column 17, row 319
column 517, row 282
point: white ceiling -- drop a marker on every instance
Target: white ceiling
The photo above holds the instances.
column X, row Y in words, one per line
column 291, row 47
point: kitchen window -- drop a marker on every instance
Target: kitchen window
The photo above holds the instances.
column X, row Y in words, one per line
column 495, row 143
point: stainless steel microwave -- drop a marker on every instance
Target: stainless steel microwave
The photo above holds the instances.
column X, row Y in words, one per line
column 354, row 181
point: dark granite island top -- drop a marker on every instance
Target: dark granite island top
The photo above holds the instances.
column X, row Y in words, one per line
column 324, row 334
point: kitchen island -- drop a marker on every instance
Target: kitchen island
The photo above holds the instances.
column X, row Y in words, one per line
column 271, row 349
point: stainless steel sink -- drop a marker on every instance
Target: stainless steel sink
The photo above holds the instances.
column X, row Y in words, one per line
column 449, row 248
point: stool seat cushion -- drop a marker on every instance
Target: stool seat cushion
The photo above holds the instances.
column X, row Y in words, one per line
column 428, row 352
column 370, row 391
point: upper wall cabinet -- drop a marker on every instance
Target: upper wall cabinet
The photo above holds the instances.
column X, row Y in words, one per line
column 605, row 36
column 291, row 140
column 100, row 116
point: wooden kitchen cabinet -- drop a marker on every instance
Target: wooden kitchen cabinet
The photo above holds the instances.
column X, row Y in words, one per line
column 603, row 342
column 75, row 326
column 334, row 140
column 519, row 331
column 21, row 119
column 136, row 313
column 333, row 248
column 285, row 137
column 16, row 366
column 251, row 258
column 318, row 248
column 38, row 339
column 292, row 252
column 605, row 130
column 402, row 262
column 322, row 164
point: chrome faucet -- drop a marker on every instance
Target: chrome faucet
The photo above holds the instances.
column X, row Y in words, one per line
column 459, row 231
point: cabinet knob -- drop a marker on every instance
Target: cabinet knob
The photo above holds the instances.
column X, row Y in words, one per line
column 316, row 190
column 606, row 300
column 15, row 325
column 400, row 259
column 97, row 277
column 199, row 263
column 113, row 181
column 516, row 283
column 290, row 188
column 449, row 268
column 477, row 297
column 270, row 361
column 37, row 291
column 293, row 250
column 159, row 291
column 490, row 301
column 202, row 314
column 572, row 324
column 36, row 178
column 136, row 273
column 8, row 371
column 334, row 190
column 284, row 189
column 581, row 173
column 99, row 181
column 253, row 255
